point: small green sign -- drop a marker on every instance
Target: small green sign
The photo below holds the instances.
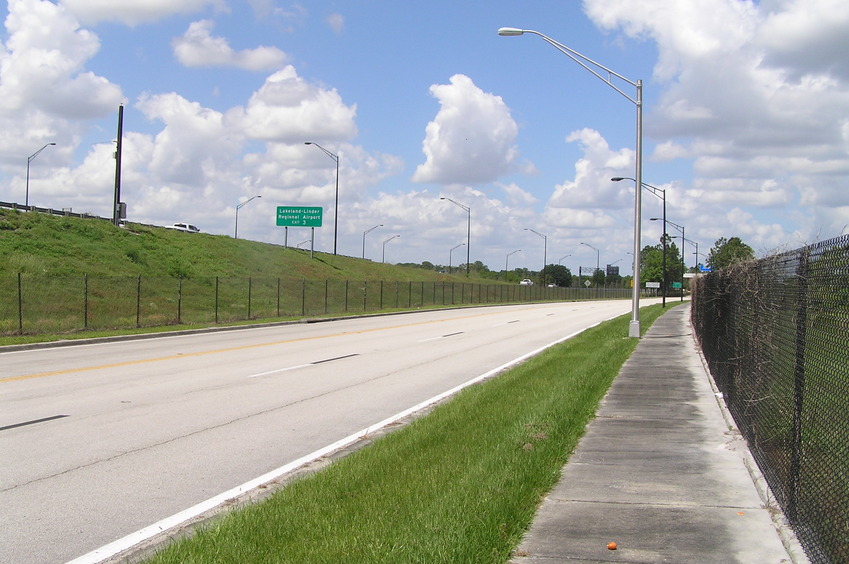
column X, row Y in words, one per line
column 676, row 285
column 289, row 216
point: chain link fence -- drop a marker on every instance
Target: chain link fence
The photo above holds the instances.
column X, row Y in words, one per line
column 775, row 334
column 31, row 304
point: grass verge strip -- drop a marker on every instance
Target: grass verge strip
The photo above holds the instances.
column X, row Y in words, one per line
column 461, row 484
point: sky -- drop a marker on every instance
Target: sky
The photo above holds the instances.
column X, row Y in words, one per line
column 745, row 122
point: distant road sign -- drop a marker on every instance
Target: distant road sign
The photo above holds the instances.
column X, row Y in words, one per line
column 676, row 285
column 652, row 284
column 288, row 216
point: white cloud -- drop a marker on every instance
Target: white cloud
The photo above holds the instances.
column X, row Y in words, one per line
column 42, row 67
column 135, row 12
column 194, row 145
column 591, row 187
column 471, row 140
column 756, row 93
column 799, row 39
column 287, row 109
column 198, row 48
column 336, row 22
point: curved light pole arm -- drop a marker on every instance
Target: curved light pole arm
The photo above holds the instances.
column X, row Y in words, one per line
column 583, row 60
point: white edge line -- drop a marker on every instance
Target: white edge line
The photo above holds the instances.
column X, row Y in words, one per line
column 122, row 544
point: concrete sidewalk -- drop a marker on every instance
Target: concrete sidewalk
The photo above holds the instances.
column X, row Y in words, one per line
column 662, row 471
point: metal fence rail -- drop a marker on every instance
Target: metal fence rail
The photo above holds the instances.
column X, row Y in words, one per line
column 34, row 304
column 775, row 334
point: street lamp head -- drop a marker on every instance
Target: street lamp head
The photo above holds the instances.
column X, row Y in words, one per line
column 655, row 218
column 510, row 31
column 307, row 142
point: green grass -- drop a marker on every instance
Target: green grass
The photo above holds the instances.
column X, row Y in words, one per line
column 38, row 244
column 458, row 485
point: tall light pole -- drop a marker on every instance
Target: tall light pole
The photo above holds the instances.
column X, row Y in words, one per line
column 336, row 213
column 468, row 229
column 597, row 262
column 660, row 193
column 544, row 252
column 29, row 160
column 238, row 207
column 366, row 232
column 507, row 260
column 595, row 68
column 383, row 258
column 681, row 229
column 451, row 255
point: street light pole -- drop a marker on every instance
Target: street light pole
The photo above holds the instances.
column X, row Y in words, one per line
column 597, row 262
column 238, row 207
column 29, row 160
column 507, row 261
column 596, row 68
column 683, row 265
column 660, row 193
column 366, row 232
column 468, row 230
column 544, row 252
column 336, row 213
column 383, row 258
column 451, row 255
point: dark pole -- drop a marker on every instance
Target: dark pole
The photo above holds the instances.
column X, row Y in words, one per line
column 336, row 210
column 116, row 214
column 663, row 267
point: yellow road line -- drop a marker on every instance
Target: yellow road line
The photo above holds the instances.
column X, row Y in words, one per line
column 220, row 351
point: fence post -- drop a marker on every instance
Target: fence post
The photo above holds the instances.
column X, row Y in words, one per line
column 138, row 301
column 20, row 308
column 180, row 299
column 798, row 385
column 85, row 300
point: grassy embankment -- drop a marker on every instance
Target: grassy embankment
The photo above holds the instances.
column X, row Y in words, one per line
column 52, row 254
column 458, row 485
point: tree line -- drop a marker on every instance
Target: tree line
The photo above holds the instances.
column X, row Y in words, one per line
column 725, row 252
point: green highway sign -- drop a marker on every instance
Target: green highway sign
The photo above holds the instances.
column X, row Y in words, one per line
column 289, row 216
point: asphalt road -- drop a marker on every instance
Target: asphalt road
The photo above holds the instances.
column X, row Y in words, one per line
column 98, row 441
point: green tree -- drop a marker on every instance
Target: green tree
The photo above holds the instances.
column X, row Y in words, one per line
column 726, row 252
column 557, row 274
column 651, row 263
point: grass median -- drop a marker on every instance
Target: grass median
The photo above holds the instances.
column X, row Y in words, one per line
column 461, row 484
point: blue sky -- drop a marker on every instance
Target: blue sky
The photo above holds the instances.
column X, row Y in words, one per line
column 746, row 120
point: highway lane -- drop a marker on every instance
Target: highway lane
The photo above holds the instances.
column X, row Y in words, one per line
column 101, row 440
